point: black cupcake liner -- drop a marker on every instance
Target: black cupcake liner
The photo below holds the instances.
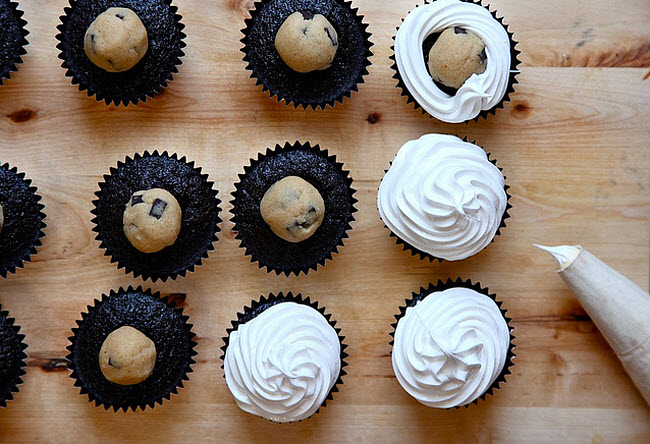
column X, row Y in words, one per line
column 23, row 220
column 317, row 89
column 423, row 255
column 444, row 285
column 317, row 167
column 196, row 196
column 512, row 78
column 13, row 37
column 258, row 306
column 12, row 351
column 149, row 76
column 160, row 320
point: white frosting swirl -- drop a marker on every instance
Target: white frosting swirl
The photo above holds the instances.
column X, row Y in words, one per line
column 282, row 364
column 443, row 196
column 450, row 347
column 479, row 92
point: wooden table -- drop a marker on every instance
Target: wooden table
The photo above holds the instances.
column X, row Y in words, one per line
column 574, row 145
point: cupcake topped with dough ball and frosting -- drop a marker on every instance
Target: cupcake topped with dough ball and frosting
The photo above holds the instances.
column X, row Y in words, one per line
column 452, row 345
column 455, row 60
column 443, row 198
column 283, row 358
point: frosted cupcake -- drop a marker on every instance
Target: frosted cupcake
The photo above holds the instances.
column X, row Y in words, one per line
column 455, row 60
column 452, row 345
column 443, row 198
column 283, row 358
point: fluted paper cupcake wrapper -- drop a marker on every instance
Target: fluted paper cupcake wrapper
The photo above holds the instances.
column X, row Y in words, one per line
column 318, row 79
column 116, row 87
column 23, row 226
column 335, row 230
column 258, row 306
column 197, row 236
column 444, row 285
column 12, row 66
column 424, row 255
column 8, row 327
column 155, row 389
column 512, row 77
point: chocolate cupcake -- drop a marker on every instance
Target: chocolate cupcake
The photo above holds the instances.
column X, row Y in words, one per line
column 121, row 51
column 455, row 59
column 12, row 38
column 131, row 349
column 292, row 208
column 452, row 344
column 21, row 220
column 283, row 358
column 443, row 198
column 156, row 215
column 312, row 53
column 12, row 353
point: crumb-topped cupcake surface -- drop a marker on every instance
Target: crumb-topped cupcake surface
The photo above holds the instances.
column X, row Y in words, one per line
column 12, row 38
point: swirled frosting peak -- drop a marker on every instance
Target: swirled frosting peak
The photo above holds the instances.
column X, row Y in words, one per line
column 443, row 196
column 282, row 364
column 450, row 347
column 481, row 91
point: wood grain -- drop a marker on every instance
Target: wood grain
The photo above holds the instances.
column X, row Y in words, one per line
column 573, row 144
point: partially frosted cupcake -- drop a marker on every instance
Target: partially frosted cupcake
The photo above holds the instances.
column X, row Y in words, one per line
column 443, row 198
column 283, row 358
column 452, row 344
column 455, row 60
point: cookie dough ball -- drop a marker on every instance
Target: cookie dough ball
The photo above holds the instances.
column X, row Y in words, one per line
column 293, row 208
column 116, row 40
column 152, row 220
column 456, row 55
column 127, row 356
column 307, row 42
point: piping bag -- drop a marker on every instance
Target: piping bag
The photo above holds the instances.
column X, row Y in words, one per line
column 619, row 308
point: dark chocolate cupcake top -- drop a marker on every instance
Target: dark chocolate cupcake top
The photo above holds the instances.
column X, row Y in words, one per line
column 22, row 220
column 320, row 170
column 193, row 192
column 153, row 316
column 149, row 76
column 12, row 38
column 314, row 89
column 12, row 357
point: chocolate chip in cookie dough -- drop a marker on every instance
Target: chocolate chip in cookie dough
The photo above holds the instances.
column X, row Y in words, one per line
column 307, row 15
column 137, row 199
column 158, row 208
column 459, row 30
